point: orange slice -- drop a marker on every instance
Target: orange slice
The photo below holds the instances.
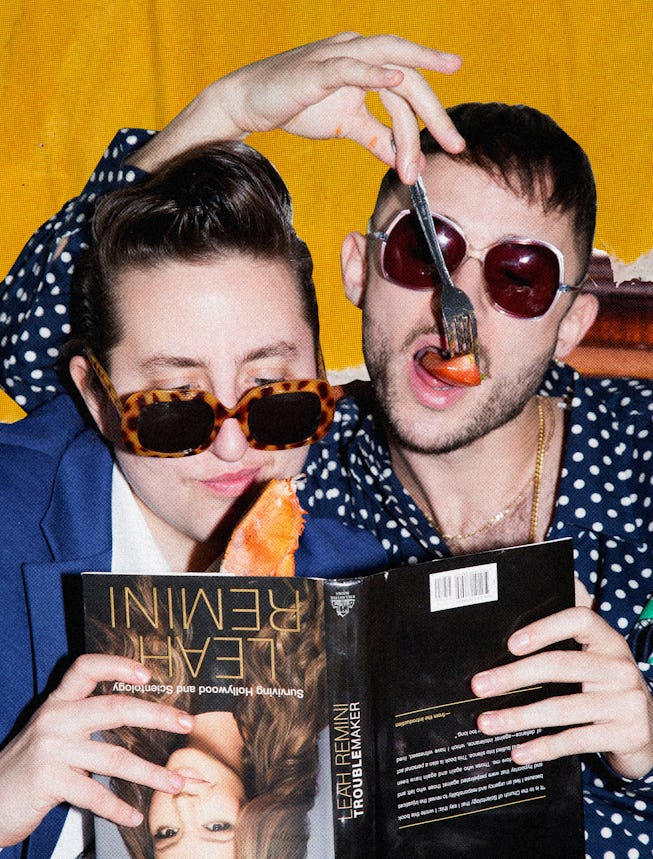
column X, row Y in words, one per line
column 265, row 540
column 461, row 370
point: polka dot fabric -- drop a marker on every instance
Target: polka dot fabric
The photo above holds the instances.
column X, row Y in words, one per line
column 35, row 295
column 604, row 504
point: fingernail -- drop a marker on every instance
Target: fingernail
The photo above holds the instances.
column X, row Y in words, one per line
column 143, row 674
column 522, row 755
column 483, row 683
column 185, row 721
column 176, row 782
column 458, row 142
column 519, row 641
column 492, row 720
column 392, row 75
column 135, row 817
column 411, row 173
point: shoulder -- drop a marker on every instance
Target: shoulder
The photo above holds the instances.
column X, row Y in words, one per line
column 47, row 430
column 33, row 449
column 627, row 398
column 354, row 425
column 330, row 549
column 614, row 412
column 607, row 476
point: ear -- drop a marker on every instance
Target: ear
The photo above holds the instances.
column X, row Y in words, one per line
column 353, row 261
column 576, row 323
column 101, row 410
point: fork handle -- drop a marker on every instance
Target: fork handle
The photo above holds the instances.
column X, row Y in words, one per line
column 418, row 196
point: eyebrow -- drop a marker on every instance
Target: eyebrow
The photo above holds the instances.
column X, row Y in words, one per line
column 281, row 349
column 161, row 360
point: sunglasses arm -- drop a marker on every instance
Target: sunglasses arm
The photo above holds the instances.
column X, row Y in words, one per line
column 104, row 380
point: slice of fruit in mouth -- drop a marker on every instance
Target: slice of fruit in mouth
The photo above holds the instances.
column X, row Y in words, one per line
column 460, row 370
column 265, row 540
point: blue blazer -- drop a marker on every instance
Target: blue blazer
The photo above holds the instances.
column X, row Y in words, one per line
column 55, row 485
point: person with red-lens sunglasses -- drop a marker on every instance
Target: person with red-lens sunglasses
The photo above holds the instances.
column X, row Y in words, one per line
column 533, row 452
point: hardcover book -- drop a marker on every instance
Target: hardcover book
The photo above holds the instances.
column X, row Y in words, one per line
column 335, row 718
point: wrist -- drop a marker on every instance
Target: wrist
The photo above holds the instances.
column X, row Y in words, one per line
column 630, row 766
column 204, row 120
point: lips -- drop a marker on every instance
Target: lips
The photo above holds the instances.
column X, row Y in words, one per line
column 232, row 484
column 434, row 393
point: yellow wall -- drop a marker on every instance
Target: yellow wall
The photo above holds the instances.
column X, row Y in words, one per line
column 73, row 71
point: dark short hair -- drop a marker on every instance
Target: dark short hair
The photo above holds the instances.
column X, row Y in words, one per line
column 210, row 201
column 529, row 152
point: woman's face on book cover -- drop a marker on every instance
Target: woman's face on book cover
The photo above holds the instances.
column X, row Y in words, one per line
column 201, row 820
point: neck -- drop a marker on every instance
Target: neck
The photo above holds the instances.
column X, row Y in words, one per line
column 481, row 496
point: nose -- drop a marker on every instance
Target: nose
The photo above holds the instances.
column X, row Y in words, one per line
column 436, row 307
column 230, row 444
column 469, row 277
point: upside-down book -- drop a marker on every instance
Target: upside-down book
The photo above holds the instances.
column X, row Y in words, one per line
column 335, row 717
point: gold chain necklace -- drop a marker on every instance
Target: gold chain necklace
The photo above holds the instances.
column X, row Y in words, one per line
column 535, row 482
column 537, row 476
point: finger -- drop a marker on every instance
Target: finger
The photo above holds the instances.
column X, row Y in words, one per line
column 594, row 671
column 582, row 596
column 374, row 136
column 628, row 747
column 106, row 712
column 405, row 130
column 581, row 708
column 84, row 792
column 108, row 759
column 588, row 739
column 402, row 52
column 579, row 623
column 87, row 671
column 332, row 74
column 423, row 102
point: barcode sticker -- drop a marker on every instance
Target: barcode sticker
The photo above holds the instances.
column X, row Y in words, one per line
column 467, row 586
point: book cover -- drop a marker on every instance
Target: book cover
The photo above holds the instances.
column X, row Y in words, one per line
column 340, row 711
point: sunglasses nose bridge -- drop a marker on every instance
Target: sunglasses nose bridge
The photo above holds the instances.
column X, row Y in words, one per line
column 469, row 275
column 229, row 442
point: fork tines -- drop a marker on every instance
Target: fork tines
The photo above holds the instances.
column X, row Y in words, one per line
column 461, row 334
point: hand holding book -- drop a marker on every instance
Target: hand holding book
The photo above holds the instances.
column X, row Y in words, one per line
column 50, row 760
column 612, row 713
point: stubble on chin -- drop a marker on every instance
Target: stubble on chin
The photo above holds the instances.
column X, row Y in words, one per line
column 406, row 432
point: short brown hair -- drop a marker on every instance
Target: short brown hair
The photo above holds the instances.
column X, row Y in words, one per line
column 212, row 200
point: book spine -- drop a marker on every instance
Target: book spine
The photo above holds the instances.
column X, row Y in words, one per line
column 353, row 768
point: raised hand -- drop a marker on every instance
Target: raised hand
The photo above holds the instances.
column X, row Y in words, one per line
column 612, row 714
column 50, row 760
column 319, row 91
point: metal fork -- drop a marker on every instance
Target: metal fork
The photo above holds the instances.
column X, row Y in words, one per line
column 456, row 308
